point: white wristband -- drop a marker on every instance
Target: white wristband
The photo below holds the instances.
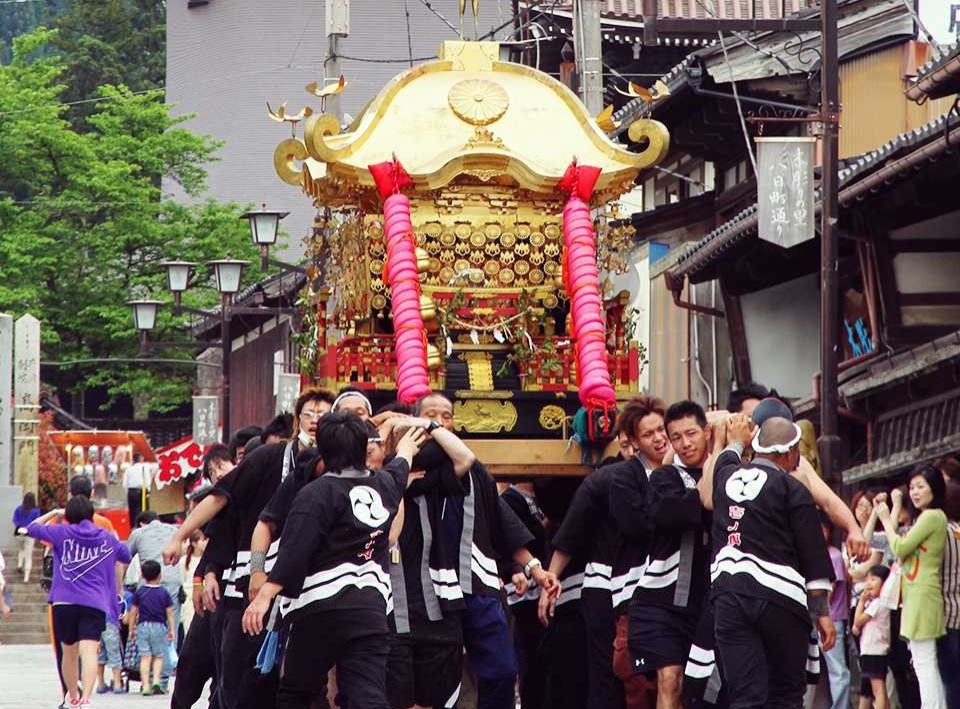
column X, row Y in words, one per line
column 531, row 565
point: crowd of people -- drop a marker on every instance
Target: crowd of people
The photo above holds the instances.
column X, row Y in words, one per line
column 353, row 558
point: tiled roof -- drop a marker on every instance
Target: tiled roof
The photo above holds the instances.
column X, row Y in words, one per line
column 940, row 76
column 903, row 365
column 945, row 54
column 910, row 435
column 744, row 224
column 861, row 25
column 727, row 9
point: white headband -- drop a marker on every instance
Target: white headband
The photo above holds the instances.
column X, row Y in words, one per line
column 775, row 447
column 344, row 395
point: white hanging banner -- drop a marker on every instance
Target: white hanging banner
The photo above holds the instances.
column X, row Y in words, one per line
column 288, row 389
column 206, row 420
column 785, row 190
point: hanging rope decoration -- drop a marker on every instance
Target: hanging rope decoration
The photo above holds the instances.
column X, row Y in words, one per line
column 582, row 282
column 413, row 378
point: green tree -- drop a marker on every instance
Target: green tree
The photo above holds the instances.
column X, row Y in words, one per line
column 17, row 18
column 117, row 42
column 85, row 225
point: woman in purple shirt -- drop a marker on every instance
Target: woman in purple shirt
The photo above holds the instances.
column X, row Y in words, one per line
column 84, row 587
column 22, row 517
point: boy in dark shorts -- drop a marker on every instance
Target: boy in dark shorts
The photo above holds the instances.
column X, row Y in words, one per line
column 151, row 626
column 871, row 622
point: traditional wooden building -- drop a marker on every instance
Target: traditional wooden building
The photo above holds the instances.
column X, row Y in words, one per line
column 737, row 296
column 262, row 346
column 899, row 248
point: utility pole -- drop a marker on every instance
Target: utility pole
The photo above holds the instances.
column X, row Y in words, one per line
column 829, row 295
column 338, row 26
column 588, row 42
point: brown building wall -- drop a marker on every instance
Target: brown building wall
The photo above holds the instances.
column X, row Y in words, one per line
column 252, row 400
column 874, row 109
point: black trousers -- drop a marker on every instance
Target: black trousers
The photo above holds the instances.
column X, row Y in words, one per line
column 195, row 665
column 134, row 504
column 762, row 650
column 241, row 684
column 528, row 637
column 357, row 642
column 604, row 688
column 565, row 656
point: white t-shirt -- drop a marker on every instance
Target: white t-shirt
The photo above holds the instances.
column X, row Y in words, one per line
column 875, row 635
column 136, row 476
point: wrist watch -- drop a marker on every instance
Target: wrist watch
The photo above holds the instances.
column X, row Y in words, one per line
column 531, row 565
column 432, row 426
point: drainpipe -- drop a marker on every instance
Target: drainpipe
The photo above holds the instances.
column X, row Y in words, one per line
column 696, row 349
column 675, row 286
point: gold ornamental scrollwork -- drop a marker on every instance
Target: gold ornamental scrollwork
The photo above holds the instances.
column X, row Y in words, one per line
column 552, row 417
column 656, row 136
column 315, row 130
column 484, row 416
column 284, row 160
column 477, row 101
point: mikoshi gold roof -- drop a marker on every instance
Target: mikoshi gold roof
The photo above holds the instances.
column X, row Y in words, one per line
column 466, row 114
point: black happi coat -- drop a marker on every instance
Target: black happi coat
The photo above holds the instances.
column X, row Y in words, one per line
column 424, row 573
column 491, row 532
column 333, row 555
column 766, row 535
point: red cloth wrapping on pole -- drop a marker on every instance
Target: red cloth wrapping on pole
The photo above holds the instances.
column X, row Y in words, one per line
column 413, row 377
column 582, row 282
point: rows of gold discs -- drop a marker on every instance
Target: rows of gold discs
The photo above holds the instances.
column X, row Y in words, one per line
column 483, row 255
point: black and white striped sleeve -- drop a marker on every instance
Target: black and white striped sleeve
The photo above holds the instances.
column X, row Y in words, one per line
column 307, row 525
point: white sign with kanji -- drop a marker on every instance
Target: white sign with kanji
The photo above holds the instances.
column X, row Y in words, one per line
column 785, row 190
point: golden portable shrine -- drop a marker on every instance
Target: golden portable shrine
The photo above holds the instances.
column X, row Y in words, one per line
column 465, row 235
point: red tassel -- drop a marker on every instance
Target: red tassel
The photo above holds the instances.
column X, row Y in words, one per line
column 390, row 177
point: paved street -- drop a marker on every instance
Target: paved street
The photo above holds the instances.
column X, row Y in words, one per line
column 28, row 681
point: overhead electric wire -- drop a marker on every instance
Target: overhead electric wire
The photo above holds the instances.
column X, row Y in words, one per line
column 427, row 4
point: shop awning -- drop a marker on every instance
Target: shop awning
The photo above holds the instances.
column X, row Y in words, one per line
column 178, row 460
column 114, row 439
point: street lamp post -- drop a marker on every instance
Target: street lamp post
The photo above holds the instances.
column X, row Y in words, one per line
column 228, row 272
column 264, row 225
column 144, row 318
